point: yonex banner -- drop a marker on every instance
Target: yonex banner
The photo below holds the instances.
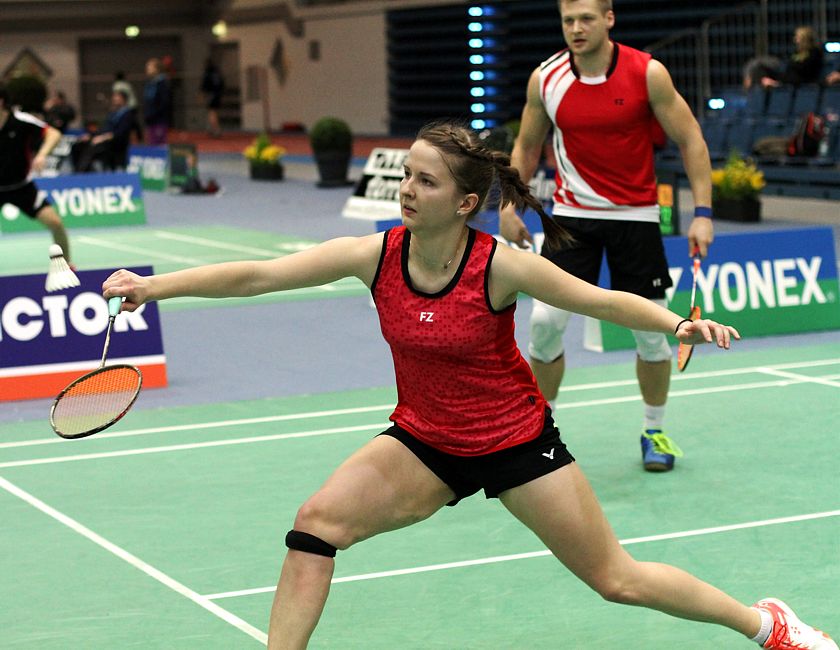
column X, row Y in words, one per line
column 49, row 339
column 84, row 200
column 152, row 164
column 762, row 283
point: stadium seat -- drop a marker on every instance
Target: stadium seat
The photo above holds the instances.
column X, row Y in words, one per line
column 740, row 137
column 756, row 102
column 715, row 132
column 830, row 100
column 806, row 100
column 779, row 101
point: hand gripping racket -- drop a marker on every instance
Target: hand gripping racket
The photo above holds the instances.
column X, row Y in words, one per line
column 100, row 398
column 685, row 349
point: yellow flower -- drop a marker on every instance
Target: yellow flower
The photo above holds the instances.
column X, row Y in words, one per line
column 272, row 153
column 738, row 179
column 261, row 150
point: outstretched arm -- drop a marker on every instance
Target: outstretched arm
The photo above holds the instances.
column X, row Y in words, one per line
column 321, row 264
column 515, row 271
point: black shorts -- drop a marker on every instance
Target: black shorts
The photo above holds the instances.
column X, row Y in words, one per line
column 494, row 472
column 635, row 254
column 24, row 199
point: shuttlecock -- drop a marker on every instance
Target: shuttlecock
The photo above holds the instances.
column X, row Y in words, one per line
column 60, row 276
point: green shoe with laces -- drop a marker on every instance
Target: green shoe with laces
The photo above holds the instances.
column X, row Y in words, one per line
column 658, row 451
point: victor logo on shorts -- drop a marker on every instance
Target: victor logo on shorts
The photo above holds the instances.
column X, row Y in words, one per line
column 549, row 455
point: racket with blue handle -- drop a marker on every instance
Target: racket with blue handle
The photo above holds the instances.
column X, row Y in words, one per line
column 100, row 398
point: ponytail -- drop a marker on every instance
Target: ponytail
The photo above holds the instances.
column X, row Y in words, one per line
column 515, row 192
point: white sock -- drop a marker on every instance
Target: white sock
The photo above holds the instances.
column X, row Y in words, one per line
column 766, row 627
column 654, row 415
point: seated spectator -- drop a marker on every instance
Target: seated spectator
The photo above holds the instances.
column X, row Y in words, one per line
column 109, row 144
column 805, row 64
column 58, row 112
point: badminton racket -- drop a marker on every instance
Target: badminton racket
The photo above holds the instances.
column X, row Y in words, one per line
column 100, row 398
column 685, row 349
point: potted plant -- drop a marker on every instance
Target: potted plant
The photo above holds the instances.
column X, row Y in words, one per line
column 736, row 188
column 332, row 144
column 265, row 159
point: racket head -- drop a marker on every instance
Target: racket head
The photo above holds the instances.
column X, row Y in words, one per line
column 95, row 401
column 685, row 349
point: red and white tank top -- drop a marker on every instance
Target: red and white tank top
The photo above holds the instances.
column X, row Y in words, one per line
column 603, row 140
column 463, row 386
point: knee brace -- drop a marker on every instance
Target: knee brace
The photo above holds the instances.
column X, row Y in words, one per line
column 652, row 346
column 546, row 332
column 307, row 543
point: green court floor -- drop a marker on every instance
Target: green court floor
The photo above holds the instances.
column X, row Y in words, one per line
column 167, row 530
column 169, row 249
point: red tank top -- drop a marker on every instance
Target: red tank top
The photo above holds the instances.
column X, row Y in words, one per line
column 603, row 140
column 463, row 386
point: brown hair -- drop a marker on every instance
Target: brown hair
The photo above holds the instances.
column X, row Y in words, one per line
column 605, row 5
column 474, row 167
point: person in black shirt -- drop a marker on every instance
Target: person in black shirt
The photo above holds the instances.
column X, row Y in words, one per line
column 25, row 143
column 110, row 143
column 212, row 86
column 59, row 112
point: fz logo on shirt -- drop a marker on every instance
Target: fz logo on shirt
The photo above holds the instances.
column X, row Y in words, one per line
column 427, row 316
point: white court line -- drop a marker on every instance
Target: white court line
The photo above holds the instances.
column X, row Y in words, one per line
column 825, row 381
column 370, row 427
column 212, row 425
column 136, row 562
column 320, row 432
column 384, row 407
column 544, row 553
column 212, row 243
column 185, row 447
column 191, row 261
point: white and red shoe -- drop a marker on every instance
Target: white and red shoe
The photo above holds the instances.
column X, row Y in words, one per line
column 789, row 633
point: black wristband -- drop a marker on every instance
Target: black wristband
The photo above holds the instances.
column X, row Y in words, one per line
column 677, row 328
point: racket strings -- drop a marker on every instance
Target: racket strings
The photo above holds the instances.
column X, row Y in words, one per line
column 96, row 400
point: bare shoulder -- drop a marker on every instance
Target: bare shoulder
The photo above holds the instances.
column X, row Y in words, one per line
column 659, row 80
column 509, row 273
column 363, row 253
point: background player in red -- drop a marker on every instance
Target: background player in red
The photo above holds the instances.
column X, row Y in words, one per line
column 25, row 143
column 469, row 414
column 603, row 101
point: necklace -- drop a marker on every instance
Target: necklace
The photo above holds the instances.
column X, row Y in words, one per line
column 432, row 264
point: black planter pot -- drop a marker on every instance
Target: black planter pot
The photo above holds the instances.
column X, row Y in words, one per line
column 737, row 209
column 332, row 168
column 267, row 172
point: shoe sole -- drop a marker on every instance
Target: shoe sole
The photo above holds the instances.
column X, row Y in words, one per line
column 658, row 467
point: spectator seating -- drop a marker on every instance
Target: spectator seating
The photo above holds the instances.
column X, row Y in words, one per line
column 746, row 117
column 779, row 102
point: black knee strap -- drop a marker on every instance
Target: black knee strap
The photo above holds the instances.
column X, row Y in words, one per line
column 307, row 543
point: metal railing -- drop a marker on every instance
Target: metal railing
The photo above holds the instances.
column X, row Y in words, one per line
column 713, row 56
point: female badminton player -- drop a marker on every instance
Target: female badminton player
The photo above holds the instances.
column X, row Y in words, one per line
column 445, row 294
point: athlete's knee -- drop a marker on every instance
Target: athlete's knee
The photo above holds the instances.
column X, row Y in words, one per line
column 298, row 540
column 314, row 517
column 547, row 327
column 50, row 218
column 652, row 346
column 618, row 586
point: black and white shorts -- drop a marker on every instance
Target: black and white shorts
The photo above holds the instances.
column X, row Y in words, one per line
column 494, row 472
column 24, row 198
column 635, row 254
